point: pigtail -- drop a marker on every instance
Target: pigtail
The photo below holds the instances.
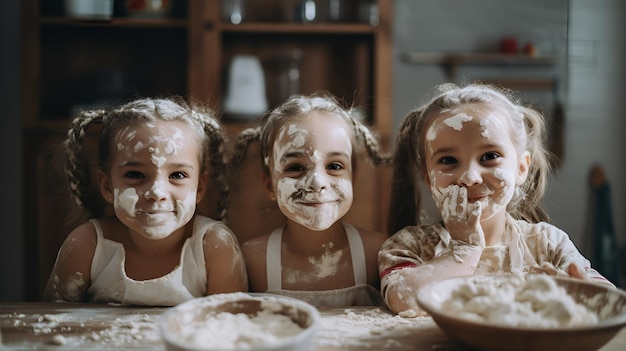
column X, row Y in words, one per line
column 244, row 139
column 371, row 143
column 78, row 168
column 405, row 199
column 216, row 149
column 529, row 206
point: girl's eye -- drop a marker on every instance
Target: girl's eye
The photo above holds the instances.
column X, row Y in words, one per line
column 134, row 175
column 178, row 175
column 335, row 166
column 490, row 156
column 448, row 160
column 296, row 167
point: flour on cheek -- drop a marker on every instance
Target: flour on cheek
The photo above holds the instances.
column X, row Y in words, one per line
column 314, row 210
column 503, row 196
column 156, row 226
column 126, row 200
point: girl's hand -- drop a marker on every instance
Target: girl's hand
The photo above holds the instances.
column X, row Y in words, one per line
column 462, row 218
column 573, row 271
column 576, row 272
column 549, row 269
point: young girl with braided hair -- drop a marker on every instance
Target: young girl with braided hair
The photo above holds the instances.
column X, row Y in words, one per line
column 144, row 243
column 309, row 147
column 481, row 155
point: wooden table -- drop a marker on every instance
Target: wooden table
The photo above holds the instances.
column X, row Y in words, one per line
column 66, row 326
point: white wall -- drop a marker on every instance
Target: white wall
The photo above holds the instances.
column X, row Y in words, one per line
column 591, row 85
column 595, row 118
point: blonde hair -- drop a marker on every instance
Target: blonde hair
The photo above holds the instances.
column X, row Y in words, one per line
column 528, row 129
column 78, row 168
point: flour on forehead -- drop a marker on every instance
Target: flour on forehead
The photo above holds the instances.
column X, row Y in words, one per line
column 484, row 124
column 290, row 137
column 125, row 136
column 156, row 159
column 456, row 122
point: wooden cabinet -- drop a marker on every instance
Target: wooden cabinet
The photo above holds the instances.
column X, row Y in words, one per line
column 70, row 63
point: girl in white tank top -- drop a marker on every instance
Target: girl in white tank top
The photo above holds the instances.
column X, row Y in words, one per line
column 308, row 147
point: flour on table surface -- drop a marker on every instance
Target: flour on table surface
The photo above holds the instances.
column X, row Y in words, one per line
column 535, row 301
column 124, row 331
column 366, row 329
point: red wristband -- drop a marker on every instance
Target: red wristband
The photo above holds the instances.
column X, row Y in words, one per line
column 396, row 267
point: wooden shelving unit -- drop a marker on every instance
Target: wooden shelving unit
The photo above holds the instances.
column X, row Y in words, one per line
column 451, row 61
column 68, row 64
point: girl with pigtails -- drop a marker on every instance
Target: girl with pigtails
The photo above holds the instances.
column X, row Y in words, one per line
column 481, row 154
column 145, row 244
column 309, row 146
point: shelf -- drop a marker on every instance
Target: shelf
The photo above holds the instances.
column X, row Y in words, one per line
column 115, row 22
column 478, row 59
column 450, row 61
column 299, row 28
column 70, row 63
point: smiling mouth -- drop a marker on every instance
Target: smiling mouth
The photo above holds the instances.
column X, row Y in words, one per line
column 316, row 203
column 154, row 212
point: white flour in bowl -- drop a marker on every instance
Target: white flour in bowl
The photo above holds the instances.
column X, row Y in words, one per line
column 532, row 301
column 238, row 321
column 227, row 330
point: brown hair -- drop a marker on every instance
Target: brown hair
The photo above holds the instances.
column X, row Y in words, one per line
column 79, row 169
column 296, row 107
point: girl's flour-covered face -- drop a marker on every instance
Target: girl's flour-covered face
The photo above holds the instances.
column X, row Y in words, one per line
column 154, row 177
column 311, row 170
column 471, row 147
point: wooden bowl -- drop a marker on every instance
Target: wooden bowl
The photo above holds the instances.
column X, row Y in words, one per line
column 609, row 304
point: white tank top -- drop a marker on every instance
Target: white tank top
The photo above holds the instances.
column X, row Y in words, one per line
column 109, row 282
column 361, row 294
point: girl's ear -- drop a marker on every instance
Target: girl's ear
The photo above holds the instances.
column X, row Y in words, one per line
column 268, row 187
column 524, row 166
column 202, row 185
column 106, row 190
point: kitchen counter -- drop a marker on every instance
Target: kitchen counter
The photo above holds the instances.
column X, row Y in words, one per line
column 77, row 326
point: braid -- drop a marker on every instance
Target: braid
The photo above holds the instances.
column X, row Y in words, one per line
column 78, row 168
column 372, row 146
column 244, row 139
column 237, row 157
column 215, row 149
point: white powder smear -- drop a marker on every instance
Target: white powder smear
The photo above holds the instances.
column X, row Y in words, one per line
column 97, row 331
column 126, row 200
column 456, row 122
column 365, row 329
column 484, row 123
column 533, row 301
column 326, row 265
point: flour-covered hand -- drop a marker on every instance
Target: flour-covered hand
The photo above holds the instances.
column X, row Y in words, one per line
column 461, row 217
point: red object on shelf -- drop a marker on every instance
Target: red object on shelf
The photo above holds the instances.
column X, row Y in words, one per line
column 508, row 45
